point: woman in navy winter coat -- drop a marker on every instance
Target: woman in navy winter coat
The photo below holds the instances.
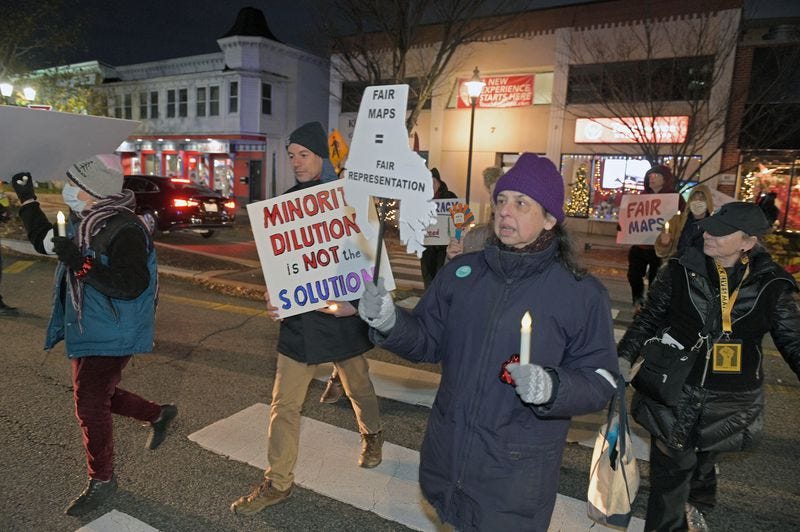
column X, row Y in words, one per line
column 491, row 455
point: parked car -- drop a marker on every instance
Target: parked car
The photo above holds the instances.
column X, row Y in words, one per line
column 170, row 203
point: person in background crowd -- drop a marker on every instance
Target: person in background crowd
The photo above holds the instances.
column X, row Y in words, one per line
column 721, row 408
column 683, row 229
column 492, row 451
column 433, row 257
column 5, row 310
column 476, row 237
column 642, row 259
column 767, row 203
column 104, row 308
column 334, row 334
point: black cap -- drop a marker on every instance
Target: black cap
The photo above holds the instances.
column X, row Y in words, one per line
column 736, row 216
column 312, row 136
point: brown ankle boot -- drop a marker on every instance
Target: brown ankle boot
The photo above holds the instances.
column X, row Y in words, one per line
column 371, row 450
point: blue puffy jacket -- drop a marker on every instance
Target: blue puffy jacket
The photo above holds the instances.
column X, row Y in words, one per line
column 109, row 326
column 488, row 460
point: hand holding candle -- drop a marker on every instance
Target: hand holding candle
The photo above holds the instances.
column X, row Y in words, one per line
column 525, row 339
column 61, row 223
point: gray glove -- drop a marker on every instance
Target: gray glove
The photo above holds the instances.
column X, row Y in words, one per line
column 533, row 384
column 376, row 307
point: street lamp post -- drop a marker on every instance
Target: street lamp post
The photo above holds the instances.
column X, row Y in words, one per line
column 7, row 91
column 474, row 87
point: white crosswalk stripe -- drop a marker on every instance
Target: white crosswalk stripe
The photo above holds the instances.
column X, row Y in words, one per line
column 326, row 464
column 116, row 521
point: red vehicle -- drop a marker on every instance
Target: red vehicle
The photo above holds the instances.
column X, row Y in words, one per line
column 170, row 203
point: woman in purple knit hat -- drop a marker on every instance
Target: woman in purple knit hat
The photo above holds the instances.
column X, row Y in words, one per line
column 492, row 450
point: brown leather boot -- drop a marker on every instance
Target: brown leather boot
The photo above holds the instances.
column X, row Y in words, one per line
column 333, row 391
column 263, row 495
column 371, row 450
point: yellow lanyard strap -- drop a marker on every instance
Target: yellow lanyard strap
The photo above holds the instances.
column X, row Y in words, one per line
column 726, row 302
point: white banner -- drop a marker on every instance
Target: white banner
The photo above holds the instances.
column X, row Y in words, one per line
column 439, row 234
column 642, row 216
column 312, row 250
column 46, row 143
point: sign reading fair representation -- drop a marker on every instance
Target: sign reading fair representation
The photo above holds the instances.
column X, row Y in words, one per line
column 312, row 250
column 381, row 165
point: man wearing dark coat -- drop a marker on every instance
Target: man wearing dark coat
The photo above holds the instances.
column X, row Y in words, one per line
column 333, row 334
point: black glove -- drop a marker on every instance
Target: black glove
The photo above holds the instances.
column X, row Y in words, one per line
column 23, row 186
column 68, row 252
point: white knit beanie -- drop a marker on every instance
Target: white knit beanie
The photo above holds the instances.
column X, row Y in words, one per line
column 100, row 176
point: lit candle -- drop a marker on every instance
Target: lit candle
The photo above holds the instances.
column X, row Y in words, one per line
column 333, row 307
column 666, row 227
column 525, row 339
column 62, row 224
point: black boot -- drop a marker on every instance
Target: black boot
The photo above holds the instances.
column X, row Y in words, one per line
column 5, row 310
column 158, row 428
column 94, row 495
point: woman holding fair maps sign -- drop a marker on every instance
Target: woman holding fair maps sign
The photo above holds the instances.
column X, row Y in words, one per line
column 492, row 450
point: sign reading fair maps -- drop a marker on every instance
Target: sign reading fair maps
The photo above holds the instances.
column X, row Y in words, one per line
column 312, row 249
column 642, row 216
column 381, row 165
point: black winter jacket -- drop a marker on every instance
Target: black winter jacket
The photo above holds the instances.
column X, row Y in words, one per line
column 720, row 412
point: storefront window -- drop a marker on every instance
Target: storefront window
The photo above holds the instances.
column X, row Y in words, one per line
column 596, row 183
column 774, row 173
column 223, row 176
column 150, row 164
column 172, row 164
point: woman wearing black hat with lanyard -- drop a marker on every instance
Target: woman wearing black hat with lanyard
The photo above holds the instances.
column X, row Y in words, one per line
column 719, row 300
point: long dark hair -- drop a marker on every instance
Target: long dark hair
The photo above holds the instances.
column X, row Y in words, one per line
column 565, row 252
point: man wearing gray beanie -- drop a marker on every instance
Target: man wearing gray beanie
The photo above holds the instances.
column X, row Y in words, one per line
column 486, row 440
column 333, row 334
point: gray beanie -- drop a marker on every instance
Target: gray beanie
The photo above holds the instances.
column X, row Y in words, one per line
column 100, row 176
column 312, row 136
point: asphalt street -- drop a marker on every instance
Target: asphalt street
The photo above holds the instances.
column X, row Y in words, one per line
column 214, row 357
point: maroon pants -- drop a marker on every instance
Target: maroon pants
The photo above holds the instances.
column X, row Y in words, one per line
column 94, row 381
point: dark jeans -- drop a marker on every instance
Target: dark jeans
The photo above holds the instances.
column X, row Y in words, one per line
column 677, row 477
column 642, row 260
column 431, row 262
column 94, row 381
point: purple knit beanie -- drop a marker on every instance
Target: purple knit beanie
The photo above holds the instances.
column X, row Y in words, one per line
column 538, row 178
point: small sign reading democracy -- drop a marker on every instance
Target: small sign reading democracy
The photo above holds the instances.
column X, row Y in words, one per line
column 312, row 249
column 439, row 234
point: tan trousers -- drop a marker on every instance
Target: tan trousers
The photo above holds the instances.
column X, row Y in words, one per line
column 288, row 395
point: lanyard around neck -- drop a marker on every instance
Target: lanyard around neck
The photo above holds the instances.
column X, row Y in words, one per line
column 726, row 302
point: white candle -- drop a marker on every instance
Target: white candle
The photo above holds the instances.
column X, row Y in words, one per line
column 525, row 339
column 666, row 227
column 62, row 224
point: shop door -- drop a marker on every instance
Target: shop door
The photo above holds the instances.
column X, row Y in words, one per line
column 256, row 189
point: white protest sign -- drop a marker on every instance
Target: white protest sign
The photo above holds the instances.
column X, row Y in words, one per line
column 312, row 250
column 642, row 216
column 46, row 143
column 720, row 198
column 381, row 165
column 439, row 234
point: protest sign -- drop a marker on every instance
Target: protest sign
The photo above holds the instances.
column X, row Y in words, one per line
column 439, row 233
column 381, row 165
column 642, row 216
column 46, row 143
column 312, row 249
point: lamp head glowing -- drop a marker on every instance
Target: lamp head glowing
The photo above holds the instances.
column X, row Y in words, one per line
column 475, row 84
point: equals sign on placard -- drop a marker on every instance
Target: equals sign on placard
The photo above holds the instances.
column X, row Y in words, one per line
column 379, row 138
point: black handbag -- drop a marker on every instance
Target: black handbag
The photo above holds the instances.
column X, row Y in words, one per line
column 663, row 371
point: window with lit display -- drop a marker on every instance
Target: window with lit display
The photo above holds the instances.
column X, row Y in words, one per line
column 596, row 183
column 772, row 178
